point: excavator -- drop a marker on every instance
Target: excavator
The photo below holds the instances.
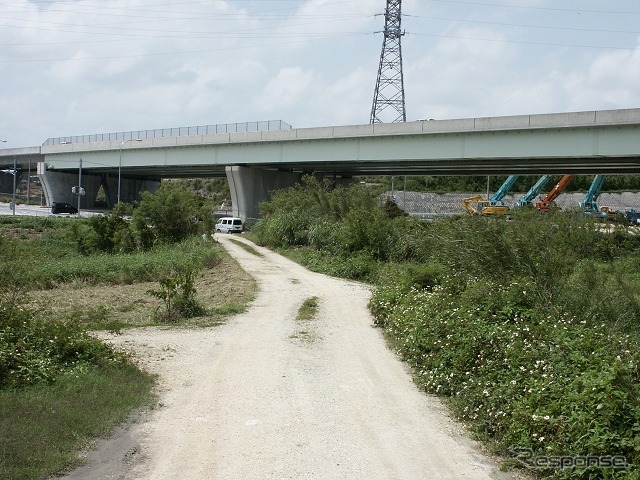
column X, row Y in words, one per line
column 588, row 203
column 533, row 192
column 479, row 205
column 590, row 207
column 547, row 203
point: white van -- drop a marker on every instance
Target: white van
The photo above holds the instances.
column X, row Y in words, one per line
column 229, row 225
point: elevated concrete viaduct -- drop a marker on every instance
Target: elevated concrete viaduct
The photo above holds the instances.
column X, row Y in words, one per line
column 594, row 142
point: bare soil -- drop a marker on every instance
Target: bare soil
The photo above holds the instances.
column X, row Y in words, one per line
column 266, row 396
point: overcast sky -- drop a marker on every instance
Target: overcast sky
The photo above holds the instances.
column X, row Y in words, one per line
column 89, row 66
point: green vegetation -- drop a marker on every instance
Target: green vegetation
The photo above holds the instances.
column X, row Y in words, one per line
column 178, row 293
column 528, row 328
column 308, row 309
column 60, row 386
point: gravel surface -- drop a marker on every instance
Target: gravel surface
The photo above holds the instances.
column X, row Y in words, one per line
column 267, row 396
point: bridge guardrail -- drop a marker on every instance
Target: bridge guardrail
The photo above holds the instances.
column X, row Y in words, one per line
column 173, row 132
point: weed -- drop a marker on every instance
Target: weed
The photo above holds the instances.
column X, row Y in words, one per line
column 308, row 309
column 177, row 292
column 229, row 309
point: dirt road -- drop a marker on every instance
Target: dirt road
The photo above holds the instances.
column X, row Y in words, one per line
column 267, row 396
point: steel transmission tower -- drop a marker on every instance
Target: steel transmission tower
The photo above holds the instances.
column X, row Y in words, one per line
column 389, row 92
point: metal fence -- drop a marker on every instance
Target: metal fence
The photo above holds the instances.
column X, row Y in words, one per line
column 173, row 132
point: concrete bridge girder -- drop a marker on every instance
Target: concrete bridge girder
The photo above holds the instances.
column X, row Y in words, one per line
column 130, row 188
column 249, row 186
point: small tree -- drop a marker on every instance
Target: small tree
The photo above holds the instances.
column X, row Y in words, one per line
column 178, row 293
column 170, row 216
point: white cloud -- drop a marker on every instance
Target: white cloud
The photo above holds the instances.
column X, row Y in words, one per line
column 291, row 86
column 69, row 68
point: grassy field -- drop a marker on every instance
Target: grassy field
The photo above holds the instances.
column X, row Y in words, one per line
column 60, row 387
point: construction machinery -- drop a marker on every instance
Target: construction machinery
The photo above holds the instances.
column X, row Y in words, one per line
column 533, row 192
column 480, row 205
column 588, row 203
column 548, row 202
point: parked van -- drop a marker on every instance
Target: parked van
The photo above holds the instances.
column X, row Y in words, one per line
column 229, row 225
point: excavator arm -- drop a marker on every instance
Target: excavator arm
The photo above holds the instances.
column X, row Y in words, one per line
column 507, row 185
column 533, row 192
column 475, row 204
column 546, row 203
column 589, row 201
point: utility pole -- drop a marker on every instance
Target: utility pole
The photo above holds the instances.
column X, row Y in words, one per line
column 389, row 92
column 79, row 185
column 15, row 174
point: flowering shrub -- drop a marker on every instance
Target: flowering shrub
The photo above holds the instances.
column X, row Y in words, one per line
column 519, row 375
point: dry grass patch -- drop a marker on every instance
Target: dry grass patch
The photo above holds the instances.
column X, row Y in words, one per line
column 223, row 290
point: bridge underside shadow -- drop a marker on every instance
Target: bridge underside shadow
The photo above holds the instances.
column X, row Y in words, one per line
column 6, row 182
column 57, row 187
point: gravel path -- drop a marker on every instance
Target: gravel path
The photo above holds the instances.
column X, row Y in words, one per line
column 267, row 396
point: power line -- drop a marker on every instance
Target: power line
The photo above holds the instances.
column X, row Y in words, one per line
column 184, row 52
column 506, row 24
column 552, row 9
column 545, row 44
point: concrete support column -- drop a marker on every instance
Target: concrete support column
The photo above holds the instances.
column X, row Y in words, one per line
column 56, row 187
column 250, row 186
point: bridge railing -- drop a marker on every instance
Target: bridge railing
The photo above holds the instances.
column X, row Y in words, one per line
column 173, row 132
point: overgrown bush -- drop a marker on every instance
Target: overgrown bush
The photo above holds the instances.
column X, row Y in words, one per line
column 104, row 234
column 521, row 376
column 171, row 215
column 340, row 221
column 34, row 350
column 178, row 294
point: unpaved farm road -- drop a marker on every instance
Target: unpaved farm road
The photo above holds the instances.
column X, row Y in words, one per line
column 267, row 396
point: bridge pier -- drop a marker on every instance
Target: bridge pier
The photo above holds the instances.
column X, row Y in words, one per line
column 56, row 187
column 250, row 186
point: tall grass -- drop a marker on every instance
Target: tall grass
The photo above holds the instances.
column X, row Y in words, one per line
column 39, row 272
